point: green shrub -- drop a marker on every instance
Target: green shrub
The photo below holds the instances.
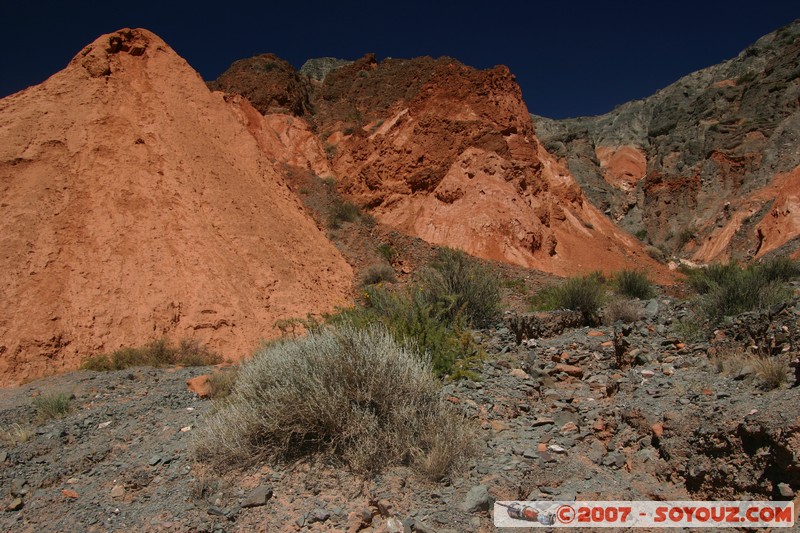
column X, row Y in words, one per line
column 380, row 273
column 458, row 285
column 417, row 323
column 688, row 329
column 779, row 269
column 158, row 353
column 352, row 395
column 387, row 251
column 342, row 211
column 641, row 234
column 585, row 294
column 746, row 78
column 728, row 289
column 633, row 284
column 52, row 405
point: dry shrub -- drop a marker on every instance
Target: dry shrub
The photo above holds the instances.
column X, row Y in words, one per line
column 378, row 273
column 16, row 434
column 350, row 394
column 157, row 353
column 627, row 311
column 770, row 371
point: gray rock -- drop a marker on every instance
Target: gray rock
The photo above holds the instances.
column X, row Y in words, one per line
column 154, row 460
column 477, row 499
column 530, row 454
column 318, row 515
column 19, row 487
column 785, row 490
column 422, row 527
column 257, row 497
column 15, row 505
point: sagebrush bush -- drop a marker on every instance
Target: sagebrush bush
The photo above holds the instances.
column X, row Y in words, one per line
column 633, row 284
column 379, row 273
column 459, row 285
column 585, row 294
column 157, row 353
column 52, row 405
column 351, row 394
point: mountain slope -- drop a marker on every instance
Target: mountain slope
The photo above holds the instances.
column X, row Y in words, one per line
column 697, row 165
column 136, row 204
column 448, row 153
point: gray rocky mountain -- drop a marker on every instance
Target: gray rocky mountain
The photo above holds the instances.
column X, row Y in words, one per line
column 677, row 166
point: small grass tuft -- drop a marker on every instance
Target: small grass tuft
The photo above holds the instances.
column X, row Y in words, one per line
column 16, row 434
column 53, row 405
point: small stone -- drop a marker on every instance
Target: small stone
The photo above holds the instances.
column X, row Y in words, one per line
column 104, row 424
column 519, row 373
column 118, row 491
column 648, row 374
column 15, row 505
column 393, row 525
column 555, row 448
column 542, row 422
column 570, row 370
column 215, row 511
column 422, row 527
column 595, row 333
column 200, row 385
column 185, row 429
column 785, row 490
column 69, row 493
column 358, row 520
column 318, row 515
column 3, row 456
column 477, row 499
column 258, row 497
column 569, row 427
column 530, row 454
column 154, row 460
column 19, row 487
column 658, row 429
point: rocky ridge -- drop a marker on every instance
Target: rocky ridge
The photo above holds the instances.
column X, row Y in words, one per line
column 448, row 153
column 707, row 166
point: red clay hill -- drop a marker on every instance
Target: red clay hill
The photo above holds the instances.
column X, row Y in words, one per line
column 135, row 204
column 447, row 153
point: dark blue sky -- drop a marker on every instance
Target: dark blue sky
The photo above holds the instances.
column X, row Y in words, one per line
column 571, row 58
